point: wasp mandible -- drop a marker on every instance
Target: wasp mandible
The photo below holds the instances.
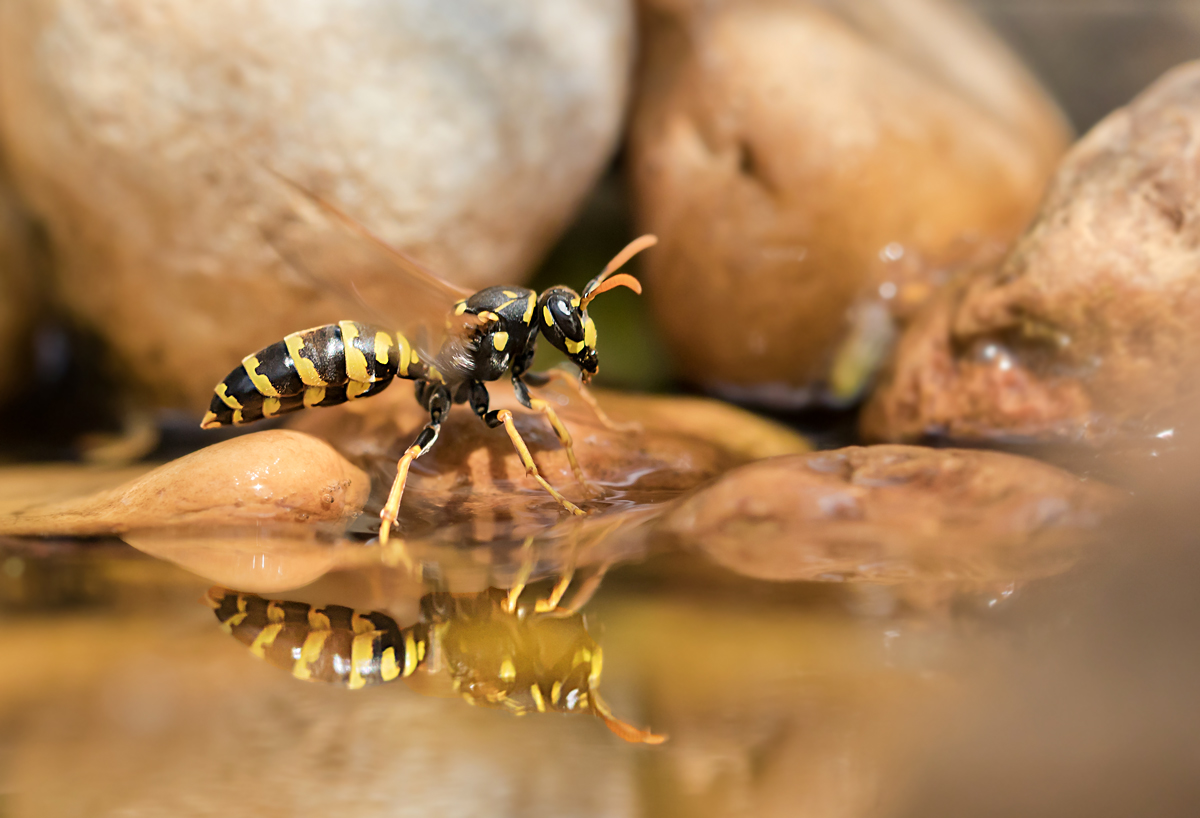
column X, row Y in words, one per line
column 449, row 341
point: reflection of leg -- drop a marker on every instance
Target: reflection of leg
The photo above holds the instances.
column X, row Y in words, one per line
column 522, row 577
column 392, row 508
column 503, row 417
column 543, row 378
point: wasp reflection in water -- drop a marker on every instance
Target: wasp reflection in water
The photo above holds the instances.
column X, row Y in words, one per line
column 493, row 651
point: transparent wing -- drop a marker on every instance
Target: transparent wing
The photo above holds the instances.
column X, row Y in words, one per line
column 328, row 247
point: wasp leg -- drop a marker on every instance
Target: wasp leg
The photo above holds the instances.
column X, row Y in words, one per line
column 479, row 402
column 437, row 400
column 538, row 379
column 560, row 430
column 503, row 417
column 522, row 577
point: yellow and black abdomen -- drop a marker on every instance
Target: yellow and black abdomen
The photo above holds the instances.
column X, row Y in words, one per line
column 322, row 366
column 333, row 644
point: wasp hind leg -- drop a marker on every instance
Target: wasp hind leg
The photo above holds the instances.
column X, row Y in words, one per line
column 436, row 399
column 503, row 417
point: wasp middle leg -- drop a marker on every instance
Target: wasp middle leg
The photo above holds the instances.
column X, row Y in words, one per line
column 502, row 417
column 436, row 399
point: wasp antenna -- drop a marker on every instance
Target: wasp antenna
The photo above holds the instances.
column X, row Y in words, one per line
column 634, row 735
column 600, row 285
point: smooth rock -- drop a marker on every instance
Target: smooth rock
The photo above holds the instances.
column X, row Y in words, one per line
column 892, row 514
column 814, row 172
column 464, row 133
column 1090, row 329
column 277, row 476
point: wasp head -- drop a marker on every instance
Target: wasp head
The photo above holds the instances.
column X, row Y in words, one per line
column 562, row 313
column 565, row 323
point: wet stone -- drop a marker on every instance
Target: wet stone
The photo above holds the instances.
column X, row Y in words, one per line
column 892, row 514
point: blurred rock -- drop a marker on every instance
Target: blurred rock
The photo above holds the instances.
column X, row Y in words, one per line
column 1071, row 43
column 813, row 173
column 465, row 135
column 1090, row 329
column 892, row 514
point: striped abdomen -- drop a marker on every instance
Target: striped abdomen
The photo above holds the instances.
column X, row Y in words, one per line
column 322, row 366
column 331, row 644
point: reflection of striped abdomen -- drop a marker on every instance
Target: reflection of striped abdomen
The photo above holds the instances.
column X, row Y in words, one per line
column 331, row 644
column 322, row 366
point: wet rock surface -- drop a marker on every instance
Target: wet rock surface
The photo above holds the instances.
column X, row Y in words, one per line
column 892, row 514
column 273, row 476
column 1088, row 330
column 465, row 137
column 813, row 174
column 472, row 488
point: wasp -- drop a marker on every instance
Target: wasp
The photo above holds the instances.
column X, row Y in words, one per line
column 495, row 651
column 450, row 342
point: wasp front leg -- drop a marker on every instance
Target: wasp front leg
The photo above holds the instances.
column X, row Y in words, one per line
column 436, row 399
column 540, row 379
column 479, row 400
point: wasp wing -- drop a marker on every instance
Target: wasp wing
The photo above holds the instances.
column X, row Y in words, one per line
column 329, row 247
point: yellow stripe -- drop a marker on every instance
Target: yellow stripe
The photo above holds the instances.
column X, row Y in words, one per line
column 547, row 316
column 507, row 671
column 356, row 388
column 460, row 307
column 264, row 639
column 500, row 341
column 311, row 652
column 388, row 669
column 555, row 692
column 589, row 333
column 402, row 351
column 229, row 624
column 410, row 654
column 308, row 372
column 529, row 310
column 383, row 342
column 274, row 612
column 421, row 651
column 314, row 395
column 536, row 692
column 318, row 621
column 362, row 655
column 210, row 421
column 360, row 623
column 574, row 347
column 509, row 294
column 261, row 382
column 226, row 398
column 356, row 362
column 597, row 667
column 271, row 407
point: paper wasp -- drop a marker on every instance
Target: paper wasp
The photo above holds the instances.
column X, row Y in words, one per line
column 449, row 341
column 493, row 651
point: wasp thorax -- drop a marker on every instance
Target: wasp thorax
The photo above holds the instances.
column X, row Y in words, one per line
column 566, row 325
